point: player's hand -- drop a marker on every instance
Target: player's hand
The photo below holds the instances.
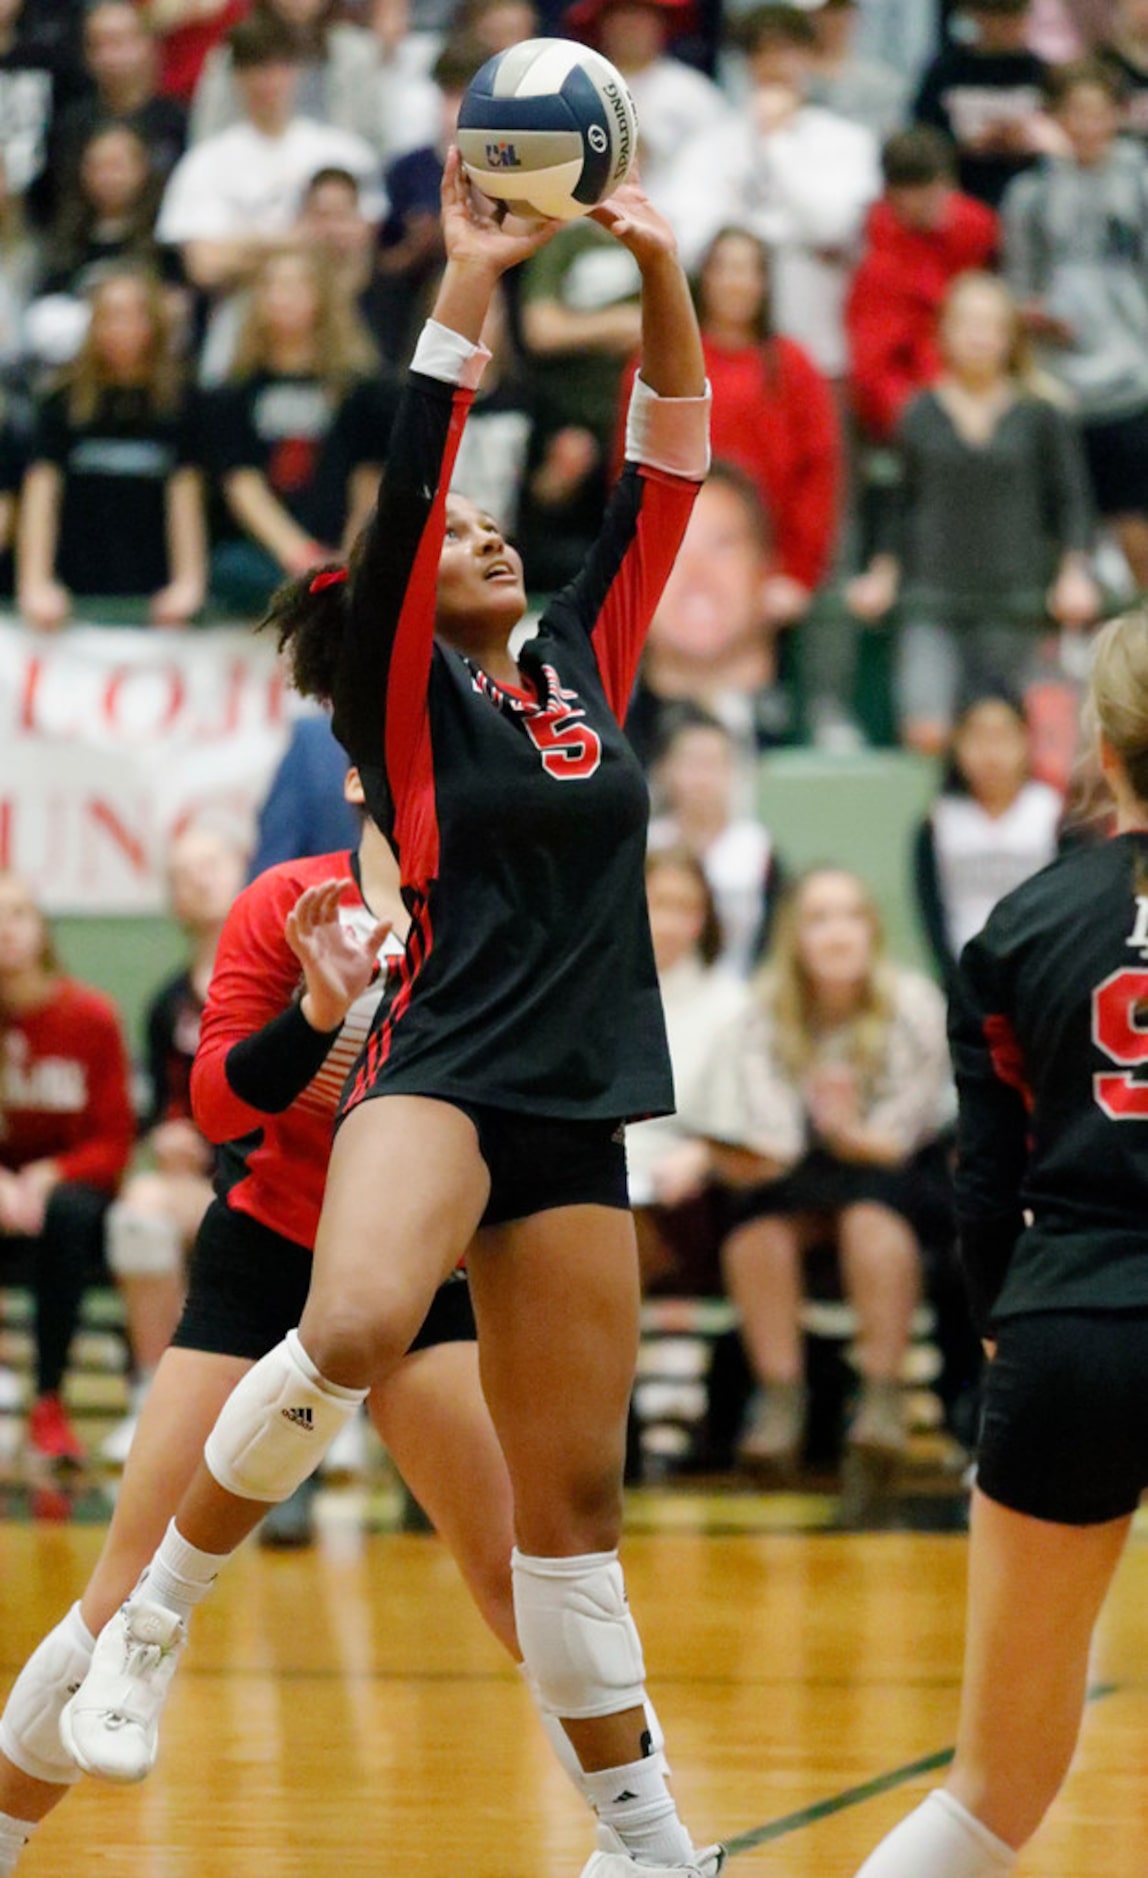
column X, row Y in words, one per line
column 338, row 964
column 632, row 219
column 479, row 232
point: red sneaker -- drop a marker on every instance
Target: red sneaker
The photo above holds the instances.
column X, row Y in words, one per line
column 50, row 1433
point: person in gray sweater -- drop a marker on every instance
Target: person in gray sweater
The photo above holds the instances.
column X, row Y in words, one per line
column 990, row 535
column 1076, row 255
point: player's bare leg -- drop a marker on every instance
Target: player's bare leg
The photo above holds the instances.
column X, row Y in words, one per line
column 1035, row 1592
column 557, row 1302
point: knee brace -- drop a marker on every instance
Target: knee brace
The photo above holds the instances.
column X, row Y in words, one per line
column 277, row 1424
column 578, row 1640
column 141, row 1245
column 30, row 1724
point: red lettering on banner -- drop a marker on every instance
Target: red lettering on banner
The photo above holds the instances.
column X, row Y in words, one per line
column 29, row 694
column 131, row 846
column 118, row 682
column 6, row 834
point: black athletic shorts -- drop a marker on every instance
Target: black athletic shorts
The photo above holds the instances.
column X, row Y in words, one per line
column 247, row 1287
column 1064, row 1433
column 538, row 1162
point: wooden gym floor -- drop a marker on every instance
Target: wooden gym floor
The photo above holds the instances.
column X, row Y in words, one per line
column 343, row 1712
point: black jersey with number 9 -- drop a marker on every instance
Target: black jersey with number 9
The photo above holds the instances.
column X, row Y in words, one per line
column 1049, row 1030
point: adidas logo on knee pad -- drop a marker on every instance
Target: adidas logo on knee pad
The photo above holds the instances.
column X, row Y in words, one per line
column 301, row 1417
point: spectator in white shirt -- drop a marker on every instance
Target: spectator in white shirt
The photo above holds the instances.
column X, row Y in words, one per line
column 353, row 78
column 674, row 102
column 236, row 195
column 669, row 1167
column 793, row 173
column 701, row 789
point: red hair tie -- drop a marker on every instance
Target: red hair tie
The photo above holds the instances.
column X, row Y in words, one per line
column 330, row 577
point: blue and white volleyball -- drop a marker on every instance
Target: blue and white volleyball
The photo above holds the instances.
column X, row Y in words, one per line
column 548, row 126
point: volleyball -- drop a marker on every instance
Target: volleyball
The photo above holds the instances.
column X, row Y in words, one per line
column 548, row 126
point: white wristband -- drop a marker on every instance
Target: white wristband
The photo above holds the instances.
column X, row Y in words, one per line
column 671, row 434
column 445, row 354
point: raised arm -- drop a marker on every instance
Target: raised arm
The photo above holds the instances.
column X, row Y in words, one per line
column 667, row 456
column 381, row 698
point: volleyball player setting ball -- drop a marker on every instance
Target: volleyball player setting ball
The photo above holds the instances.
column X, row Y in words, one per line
column 488, row 1105
column 1050, row 1048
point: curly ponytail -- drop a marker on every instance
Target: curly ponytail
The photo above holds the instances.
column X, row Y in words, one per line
column 308, row 616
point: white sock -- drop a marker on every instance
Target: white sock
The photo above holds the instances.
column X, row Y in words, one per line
column 635, row 1802
column 14, row 1836
column 180, row 1575
column 943, row 1839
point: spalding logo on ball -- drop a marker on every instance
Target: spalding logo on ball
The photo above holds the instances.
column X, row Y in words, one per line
column 548, row 126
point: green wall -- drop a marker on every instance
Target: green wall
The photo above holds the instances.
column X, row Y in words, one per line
column 856, row 811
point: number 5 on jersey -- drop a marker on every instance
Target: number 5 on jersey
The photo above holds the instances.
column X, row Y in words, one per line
column 570, row 749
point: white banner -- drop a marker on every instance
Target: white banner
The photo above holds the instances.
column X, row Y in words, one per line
column 112, row 739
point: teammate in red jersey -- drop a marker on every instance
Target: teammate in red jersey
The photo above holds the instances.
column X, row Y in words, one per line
column 1050, row 1049
column 526, row 1029
column 249, row 1278
column 66, row 1136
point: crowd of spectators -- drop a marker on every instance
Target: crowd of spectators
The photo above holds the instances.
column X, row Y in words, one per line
column 919, row 239
column 219, row 228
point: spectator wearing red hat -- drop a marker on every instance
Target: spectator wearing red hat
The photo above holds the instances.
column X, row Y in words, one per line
column 920, row 236
column 674, row 102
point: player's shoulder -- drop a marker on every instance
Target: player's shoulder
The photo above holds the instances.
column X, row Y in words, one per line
column 280, row 886
column 1068, row 889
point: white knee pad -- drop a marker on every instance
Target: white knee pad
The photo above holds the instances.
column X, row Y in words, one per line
column 277, row 1424
column 30, row 1724
column 141, row 1245
column 577, row 1637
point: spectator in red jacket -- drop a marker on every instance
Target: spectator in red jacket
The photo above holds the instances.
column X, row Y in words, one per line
column 920, row 236
column 66, row 1134
column 773, row 416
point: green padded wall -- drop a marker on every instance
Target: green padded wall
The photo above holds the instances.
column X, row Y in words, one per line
column 129, row 958
column 857, row 812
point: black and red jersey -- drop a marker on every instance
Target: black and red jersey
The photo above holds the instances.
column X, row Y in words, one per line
column 1049, row 1030
column 265, row 1086
column 519, row 816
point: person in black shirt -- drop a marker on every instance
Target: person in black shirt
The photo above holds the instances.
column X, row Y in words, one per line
column 987, row 98
column 298, row 437
column 526, row 1028
column 111, row 503
column 120, row 55
column 1049, row 1046
column 39, row 78
column 108, row 215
